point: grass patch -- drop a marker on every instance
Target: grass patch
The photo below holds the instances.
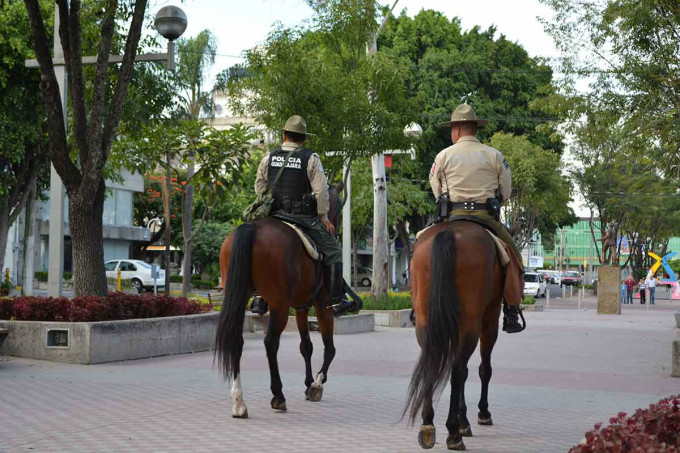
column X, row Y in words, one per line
column 393, row 301
column 528, row 301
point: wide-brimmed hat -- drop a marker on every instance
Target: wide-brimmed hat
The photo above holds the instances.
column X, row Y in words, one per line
column 464, row 114
column 296, row 124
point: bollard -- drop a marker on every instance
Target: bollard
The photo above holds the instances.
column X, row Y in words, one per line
column 118, row 280
column 579, row 298
column 571, row 291
column 564, row 292
column 547, row 298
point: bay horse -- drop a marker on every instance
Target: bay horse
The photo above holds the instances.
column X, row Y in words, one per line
column 456, row 285
column 267, row 256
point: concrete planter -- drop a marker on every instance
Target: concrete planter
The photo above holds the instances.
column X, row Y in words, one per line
column 392, row 318
column 534, row 307
column 109, row 341
column 677, row 319
column 675, row 358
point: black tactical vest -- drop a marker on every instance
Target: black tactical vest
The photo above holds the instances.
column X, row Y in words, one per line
column 293, row 183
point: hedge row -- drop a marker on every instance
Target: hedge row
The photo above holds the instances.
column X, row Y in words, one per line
column 115, row 306
column 656, row 429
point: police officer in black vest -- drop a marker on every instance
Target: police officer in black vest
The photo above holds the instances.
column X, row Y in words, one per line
column 301, row 190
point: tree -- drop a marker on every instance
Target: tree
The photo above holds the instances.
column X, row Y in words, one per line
column 323, row 72
column 542, row 193
column 95, row 122
column 24, row 150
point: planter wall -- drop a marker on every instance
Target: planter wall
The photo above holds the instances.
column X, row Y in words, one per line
column 109, row 341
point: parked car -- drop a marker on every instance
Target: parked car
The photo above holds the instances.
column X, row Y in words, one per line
column 137, row 271
column 571, row 278
column 555, row 278
column 363, row 276
column 534, row 284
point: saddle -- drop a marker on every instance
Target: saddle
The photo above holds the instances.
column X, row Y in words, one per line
column 307, row 242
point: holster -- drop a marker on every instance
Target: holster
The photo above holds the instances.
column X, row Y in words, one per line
column 493, row 205
column 309, row 204
column 443, row 207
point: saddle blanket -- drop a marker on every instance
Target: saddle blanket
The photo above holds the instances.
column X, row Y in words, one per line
column 310, row 246
column 500, row 245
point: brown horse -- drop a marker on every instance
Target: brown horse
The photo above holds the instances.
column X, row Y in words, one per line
column 457, row 282
column 267, row 256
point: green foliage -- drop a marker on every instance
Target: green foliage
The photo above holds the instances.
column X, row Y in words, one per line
column 542, row 192
column 393, row 301
column 207, row 244
column 174, row 278
column 447, row 66
column 323, row 73
column 529, row 301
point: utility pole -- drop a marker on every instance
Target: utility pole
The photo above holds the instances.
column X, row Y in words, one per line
column 380, row 233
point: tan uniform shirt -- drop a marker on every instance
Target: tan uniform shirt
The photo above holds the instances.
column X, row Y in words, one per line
column 317, row 178
column 470, row 171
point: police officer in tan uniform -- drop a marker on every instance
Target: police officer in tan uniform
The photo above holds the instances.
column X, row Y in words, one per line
column 474, row 176
column 301, row 191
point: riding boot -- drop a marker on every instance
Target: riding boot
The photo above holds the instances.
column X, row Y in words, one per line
column 336, row 294
column 259, row 305
column 511, row 319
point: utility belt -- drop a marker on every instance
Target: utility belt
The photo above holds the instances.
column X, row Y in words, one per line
column 445, row 206
column 305, row 206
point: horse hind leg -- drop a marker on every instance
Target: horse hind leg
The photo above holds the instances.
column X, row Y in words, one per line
column 464, row 424
column 427, row 435
column 459, row 374
column 326, row 322
column 239, row 410
column 306, row 349
column 277, row 322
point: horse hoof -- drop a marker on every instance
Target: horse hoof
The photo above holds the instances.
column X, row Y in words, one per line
column 279, row 404
column 455, row 443
column 485, row 421
column 314, row 392
column 239, row 414
column 465, row 432
column 427, row 436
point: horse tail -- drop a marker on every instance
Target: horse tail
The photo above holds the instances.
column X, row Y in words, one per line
column 229, row 337
column 441, row 335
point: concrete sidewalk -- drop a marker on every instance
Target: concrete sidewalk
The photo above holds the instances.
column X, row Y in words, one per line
column 569, row 370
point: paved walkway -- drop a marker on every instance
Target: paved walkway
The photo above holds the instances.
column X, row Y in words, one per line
column 569, row 370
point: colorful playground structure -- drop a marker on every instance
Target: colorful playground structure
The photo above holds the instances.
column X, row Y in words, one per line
column 672, row 280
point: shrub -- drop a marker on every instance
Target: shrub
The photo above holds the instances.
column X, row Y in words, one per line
column 40, row 276
column 115, row 306
column 654, row 429
column 528, row 301
column 176, row 279
column 393, row 301
column 203, row 284
column 68, row 276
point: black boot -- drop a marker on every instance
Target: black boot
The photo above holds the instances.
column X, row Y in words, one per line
column 511, row 316
column 336, row 293
column 259, row 305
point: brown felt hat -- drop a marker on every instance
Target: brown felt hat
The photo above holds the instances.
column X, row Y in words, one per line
column 296, row 124
column 464, row 114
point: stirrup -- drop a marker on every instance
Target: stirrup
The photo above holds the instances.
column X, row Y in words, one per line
column 514, row 321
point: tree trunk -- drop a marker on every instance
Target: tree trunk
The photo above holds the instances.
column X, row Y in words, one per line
column 380, row 235
column 85, row 219
column 4, row 231
column 187, row 208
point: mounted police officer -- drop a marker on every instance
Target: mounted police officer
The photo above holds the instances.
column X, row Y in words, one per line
column 300, row 191
column 473, row 180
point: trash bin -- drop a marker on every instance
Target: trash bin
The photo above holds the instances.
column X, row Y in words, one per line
column 595, row 287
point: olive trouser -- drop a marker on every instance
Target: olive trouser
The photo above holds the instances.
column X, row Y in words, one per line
column 500, row 230
column 328, row 246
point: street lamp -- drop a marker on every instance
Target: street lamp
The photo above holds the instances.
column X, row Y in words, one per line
column 171, row 22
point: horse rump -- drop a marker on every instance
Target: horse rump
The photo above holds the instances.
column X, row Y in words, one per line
column 441, row 335
column 229, row 336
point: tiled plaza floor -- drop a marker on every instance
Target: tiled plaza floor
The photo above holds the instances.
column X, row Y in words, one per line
column 550, row 384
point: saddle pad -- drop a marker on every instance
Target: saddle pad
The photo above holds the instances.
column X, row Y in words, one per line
column 500, row 245
column 306, row 241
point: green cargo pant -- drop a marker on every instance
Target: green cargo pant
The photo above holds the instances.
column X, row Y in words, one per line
column 328, row 246
column 496, row 226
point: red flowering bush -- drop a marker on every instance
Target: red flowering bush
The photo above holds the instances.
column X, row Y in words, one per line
column 115, row 306
column 652, row 430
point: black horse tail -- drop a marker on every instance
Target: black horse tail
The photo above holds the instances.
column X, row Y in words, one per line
column 229, row 337
column 441, row 337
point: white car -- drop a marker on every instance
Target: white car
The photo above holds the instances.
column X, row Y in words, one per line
column 137, row 271
column 534, row 284
column 555, row 277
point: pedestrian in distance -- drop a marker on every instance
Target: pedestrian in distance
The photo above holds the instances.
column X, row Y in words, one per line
column 623, row 292
column 630, row 287
column 651, row 285
column 643, row 291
